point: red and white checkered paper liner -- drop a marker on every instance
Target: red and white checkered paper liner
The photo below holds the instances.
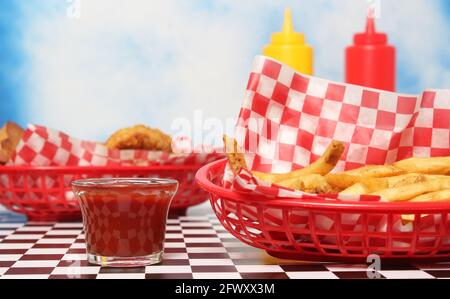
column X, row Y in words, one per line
column 41, row 146
column 287, row 120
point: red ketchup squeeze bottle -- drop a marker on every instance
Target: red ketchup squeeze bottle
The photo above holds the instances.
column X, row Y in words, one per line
column 370, row 62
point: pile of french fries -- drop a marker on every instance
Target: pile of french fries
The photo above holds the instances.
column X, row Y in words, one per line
column 412, row 180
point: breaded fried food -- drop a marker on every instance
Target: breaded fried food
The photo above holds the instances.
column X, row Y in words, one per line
column 140, row 137
column 10, row 135
column 235, row 154
column 312, row 183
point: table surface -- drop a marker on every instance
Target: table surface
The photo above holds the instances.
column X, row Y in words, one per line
column 196, row 247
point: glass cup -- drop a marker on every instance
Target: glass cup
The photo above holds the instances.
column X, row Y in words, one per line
column 125, row 219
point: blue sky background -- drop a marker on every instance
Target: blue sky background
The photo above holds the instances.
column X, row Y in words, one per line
column 153, row 62
column 11, row 60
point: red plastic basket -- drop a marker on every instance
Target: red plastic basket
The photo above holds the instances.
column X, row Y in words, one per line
column 44, row 193
column 287, row 228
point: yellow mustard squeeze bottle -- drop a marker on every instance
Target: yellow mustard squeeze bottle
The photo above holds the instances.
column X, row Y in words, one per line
column 290, row 48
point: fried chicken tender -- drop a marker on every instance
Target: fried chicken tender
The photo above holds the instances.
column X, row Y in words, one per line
column 140, row 137
column 10, row 135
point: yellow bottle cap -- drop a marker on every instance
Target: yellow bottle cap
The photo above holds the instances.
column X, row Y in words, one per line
column 288, row 35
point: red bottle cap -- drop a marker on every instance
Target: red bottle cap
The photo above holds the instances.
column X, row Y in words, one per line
column 371, row 36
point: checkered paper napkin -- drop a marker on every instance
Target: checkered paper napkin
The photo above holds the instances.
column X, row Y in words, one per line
column 288, row 119
column 42, row 146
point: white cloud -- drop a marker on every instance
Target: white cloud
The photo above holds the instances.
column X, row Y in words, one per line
column 141, row 61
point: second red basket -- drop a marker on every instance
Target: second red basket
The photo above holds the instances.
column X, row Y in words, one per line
column 44, row 193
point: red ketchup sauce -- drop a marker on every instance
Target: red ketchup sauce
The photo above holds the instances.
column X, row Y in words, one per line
column 126, row 219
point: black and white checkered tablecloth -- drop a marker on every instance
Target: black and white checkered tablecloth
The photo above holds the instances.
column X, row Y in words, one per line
column 196, row 247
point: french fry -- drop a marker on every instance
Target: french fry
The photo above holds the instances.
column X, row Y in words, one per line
column 313, row 183
column 407, row 179
column 429, row 177
column 408, row 192
column 346, row 179
column 235, row 156
column 322, row 166
column 414, row 180
column 342, row 181
column 295, row 183
column 376, row 171
column 438, row 166
column 408, row 218
column 356, row 189
column 370, row 185
column 377, row 184
column 308, row 182
column 438, row 196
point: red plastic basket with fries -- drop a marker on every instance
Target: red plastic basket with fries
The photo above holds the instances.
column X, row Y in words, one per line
column 36, row 182
column 322, row 230
column 288, row 121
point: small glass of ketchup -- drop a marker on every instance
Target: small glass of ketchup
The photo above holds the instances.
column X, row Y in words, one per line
column 125, row 219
